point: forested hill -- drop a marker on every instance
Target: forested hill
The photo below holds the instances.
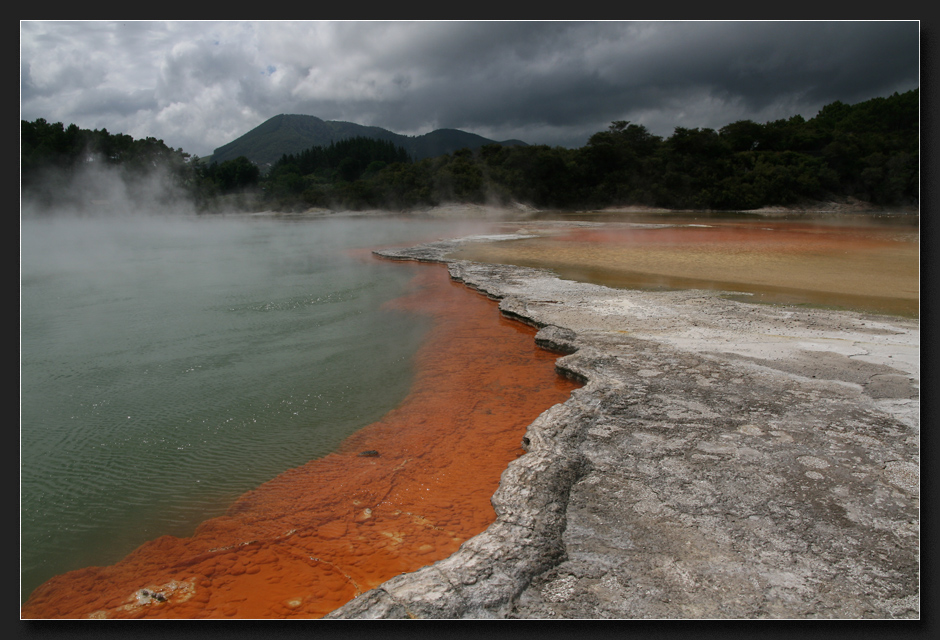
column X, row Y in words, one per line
column 868, row 151
column 291, row 134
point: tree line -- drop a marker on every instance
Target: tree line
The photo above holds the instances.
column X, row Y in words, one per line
column 338, row 173
column 869, row 151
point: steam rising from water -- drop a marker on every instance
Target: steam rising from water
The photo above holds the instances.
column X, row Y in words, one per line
column 96, row 188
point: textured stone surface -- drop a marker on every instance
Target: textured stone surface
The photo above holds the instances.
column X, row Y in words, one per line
column 723, row 460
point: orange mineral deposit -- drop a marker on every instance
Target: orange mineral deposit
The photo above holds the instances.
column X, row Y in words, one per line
column 398, row 495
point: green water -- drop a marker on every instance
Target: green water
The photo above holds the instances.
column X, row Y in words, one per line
column 169, row 365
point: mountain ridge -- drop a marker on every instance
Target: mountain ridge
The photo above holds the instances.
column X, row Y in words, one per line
column 293, row 133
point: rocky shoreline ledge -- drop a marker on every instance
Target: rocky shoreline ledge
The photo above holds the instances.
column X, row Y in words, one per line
column 723, row 460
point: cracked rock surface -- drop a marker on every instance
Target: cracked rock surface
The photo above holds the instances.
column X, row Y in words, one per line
column 723, row 460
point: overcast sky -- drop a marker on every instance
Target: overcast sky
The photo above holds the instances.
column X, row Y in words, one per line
column 199, row 85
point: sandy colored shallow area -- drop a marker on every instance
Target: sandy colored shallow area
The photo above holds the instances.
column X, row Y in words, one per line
column 723, row 460
column 852, row 266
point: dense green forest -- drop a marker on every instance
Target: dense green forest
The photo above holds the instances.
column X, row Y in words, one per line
column 869, row 151
column 343, row 171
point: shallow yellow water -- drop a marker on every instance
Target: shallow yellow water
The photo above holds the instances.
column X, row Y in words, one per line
column 857, row 267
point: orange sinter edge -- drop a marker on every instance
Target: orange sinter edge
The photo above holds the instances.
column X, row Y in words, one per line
column 400, row 494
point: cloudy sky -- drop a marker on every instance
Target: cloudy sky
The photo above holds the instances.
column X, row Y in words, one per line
column 199, row 85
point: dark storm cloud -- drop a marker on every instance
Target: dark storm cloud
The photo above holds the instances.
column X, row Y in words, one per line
column 577, row 77
column 200, row 85
column 763, row 61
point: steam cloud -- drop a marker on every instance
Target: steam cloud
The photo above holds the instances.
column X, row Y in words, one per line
column 95, row 188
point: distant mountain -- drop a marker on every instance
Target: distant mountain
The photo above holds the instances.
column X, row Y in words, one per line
column 266, row 143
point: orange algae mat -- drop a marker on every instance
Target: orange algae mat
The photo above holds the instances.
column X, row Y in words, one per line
column 316, row 536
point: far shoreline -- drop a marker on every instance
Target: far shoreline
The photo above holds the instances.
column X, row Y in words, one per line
column 517, row 211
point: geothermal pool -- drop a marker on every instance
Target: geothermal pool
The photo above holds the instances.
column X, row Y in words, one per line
column 169, row 364
column 204, row 389
column 398, row 494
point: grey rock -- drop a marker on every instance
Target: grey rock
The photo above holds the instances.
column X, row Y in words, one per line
column 723, row 460
column 558, row 339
